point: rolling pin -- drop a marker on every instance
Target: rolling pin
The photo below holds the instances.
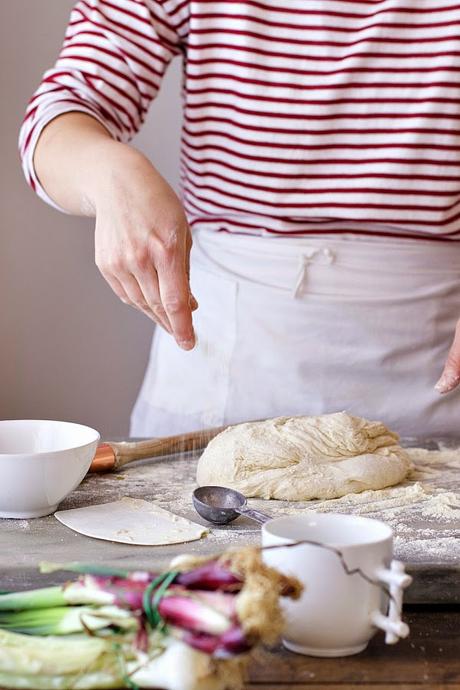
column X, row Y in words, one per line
column 112, row 455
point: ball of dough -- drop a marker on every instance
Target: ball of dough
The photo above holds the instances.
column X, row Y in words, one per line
column 301, row 458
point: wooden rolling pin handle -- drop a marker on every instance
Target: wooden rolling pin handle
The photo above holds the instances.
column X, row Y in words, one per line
column 111, row 456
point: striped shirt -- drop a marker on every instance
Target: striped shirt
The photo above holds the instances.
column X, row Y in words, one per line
column 300, row 116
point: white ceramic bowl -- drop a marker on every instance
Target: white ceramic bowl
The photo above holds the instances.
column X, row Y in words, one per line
column 41, row 462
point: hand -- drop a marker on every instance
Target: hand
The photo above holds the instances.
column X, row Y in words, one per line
column 142, row 240
column 450, row 377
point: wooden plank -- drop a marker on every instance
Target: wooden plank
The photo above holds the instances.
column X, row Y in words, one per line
column 430, row 656
column 355, row 686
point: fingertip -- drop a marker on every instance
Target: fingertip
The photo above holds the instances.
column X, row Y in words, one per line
column 447, row 383
column 440, row 388
column 186, row 344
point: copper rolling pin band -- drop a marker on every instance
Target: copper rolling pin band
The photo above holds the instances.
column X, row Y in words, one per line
column 104, row 460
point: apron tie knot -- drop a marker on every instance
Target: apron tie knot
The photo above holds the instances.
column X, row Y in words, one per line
column 321, row 256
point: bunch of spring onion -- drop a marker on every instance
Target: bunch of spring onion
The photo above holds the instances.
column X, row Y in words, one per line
column 190, row 628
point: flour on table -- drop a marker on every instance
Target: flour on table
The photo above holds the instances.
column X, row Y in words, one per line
column 131, row 521
column 389, row 502
column 302, row 458
column 420, row 539
column 424, row 511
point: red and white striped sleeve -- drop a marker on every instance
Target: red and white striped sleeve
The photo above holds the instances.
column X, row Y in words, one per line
column 113, row 59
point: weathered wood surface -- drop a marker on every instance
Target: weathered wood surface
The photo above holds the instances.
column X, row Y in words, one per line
column 169, row 481
column 428, row 659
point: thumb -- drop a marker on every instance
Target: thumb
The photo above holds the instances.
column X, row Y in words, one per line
column 188, row 247
column 450, row 377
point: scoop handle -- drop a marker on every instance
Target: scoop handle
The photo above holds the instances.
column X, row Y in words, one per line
column 256, row 515
column 112, row 455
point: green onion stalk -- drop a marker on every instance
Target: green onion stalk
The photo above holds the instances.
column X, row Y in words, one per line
column 192, row 627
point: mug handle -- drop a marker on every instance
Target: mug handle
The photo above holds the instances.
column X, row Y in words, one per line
column 397, row 580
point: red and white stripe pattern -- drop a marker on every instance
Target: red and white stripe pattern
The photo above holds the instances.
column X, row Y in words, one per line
column 301, row 116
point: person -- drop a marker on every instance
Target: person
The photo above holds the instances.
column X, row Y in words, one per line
column 320, row 178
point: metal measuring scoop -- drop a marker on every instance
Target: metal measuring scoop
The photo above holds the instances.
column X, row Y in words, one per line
column 220, row 506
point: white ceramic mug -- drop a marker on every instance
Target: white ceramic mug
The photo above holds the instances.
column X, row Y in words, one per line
column 339, row 611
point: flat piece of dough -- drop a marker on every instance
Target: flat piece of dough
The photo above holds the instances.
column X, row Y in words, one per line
column 302, row 458
column 131, row 521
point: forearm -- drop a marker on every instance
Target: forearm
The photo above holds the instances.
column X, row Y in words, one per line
column 72, row 156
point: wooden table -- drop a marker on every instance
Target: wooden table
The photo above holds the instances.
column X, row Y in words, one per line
column 429, row 659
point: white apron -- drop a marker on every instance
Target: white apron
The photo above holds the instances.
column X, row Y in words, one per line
column 290, row 326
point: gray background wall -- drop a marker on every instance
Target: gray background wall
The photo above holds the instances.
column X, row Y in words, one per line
column 68, row 348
